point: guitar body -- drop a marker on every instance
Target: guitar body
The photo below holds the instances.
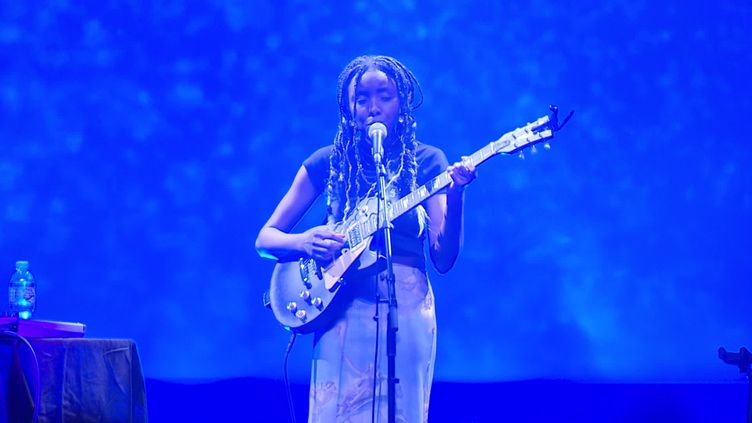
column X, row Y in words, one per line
column 305, row 297
column 286, row 289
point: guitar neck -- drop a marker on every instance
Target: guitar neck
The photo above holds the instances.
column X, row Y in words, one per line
column 408, row 202
column 509, row 143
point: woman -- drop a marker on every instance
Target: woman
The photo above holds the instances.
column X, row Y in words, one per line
column 349, row 355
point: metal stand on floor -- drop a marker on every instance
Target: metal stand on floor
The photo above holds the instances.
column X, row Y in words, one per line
column 742, row 359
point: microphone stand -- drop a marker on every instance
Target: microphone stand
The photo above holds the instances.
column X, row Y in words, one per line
column 742, row 359
column 392, row 324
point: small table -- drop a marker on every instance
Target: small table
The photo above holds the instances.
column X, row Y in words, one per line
column 81, row 380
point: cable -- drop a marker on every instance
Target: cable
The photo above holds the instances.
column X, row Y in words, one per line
column 37, row 378
column 287, row 381
column 376, row 318
column 375, row 357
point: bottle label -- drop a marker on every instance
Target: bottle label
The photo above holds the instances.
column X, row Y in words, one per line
column 21, row 297
column 30, row 294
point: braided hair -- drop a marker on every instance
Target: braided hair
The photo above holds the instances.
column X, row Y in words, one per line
column 347, row 175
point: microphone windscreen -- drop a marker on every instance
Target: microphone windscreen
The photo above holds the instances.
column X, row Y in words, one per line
column 377, row 128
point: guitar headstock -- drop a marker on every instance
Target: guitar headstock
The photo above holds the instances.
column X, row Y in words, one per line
column 540, row 130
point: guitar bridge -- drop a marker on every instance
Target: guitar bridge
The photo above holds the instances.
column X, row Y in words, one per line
column 305, row 270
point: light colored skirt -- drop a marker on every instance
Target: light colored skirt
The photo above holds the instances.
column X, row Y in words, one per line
column 343, row 356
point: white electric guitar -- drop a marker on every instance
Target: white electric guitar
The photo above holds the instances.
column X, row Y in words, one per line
column 304, row 294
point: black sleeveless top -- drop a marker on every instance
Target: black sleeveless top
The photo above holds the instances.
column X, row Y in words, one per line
column 407, row 235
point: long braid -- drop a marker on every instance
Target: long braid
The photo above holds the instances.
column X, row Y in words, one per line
column 346, row 170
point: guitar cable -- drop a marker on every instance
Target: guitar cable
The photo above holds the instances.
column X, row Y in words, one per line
column 290, row 404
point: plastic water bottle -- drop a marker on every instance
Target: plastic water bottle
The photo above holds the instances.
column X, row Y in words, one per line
column 22, row 292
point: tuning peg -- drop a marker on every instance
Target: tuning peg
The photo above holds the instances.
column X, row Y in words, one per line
column 521, row 155
column 546, row 145
column 533, row 150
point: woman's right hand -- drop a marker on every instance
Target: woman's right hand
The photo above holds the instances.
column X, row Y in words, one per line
column 321, row 243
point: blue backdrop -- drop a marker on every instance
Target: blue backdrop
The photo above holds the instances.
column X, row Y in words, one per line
column 143, row 146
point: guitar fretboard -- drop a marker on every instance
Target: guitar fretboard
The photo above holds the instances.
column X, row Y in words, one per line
column 406, row 203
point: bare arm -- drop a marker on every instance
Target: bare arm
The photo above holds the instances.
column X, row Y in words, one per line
column 275, row 239
column 445, row 212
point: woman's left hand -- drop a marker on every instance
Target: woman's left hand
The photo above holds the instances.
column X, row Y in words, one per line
column 462, row 173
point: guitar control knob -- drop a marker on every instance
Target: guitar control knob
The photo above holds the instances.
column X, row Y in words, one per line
column 292, row 306
column 300, row 314
column 317, row 302
column 306, row 296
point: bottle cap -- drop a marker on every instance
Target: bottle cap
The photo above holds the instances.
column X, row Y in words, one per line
column 22, row 264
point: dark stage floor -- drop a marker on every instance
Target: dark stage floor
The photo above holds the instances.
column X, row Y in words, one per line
column 262, row 400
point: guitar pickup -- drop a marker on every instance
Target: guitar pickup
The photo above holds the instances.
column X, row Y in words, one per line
column 304, row 267
column 319, row 274
column 354, row 237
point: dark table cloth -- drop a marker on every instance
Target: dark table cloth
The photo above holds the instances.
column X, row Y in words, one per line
column 82, row 380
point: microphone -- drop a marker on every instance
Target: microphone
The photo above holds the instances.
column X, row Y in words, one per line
column 377, row 133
